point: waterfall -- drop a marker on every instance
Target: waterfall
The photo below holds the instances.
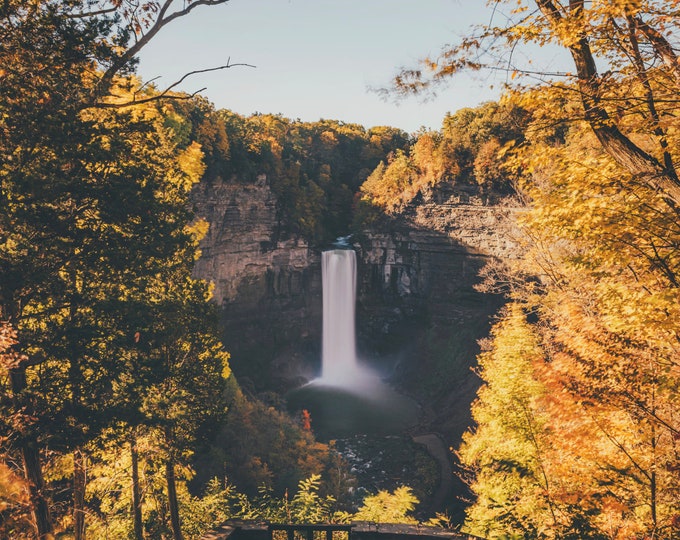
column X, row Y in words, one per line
column 338, row 274
column 348, row 398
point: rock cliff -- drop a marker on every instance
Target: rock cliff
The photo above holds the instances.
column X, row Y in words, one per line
column 419, row 315
column 269, row 287
column 420, row 310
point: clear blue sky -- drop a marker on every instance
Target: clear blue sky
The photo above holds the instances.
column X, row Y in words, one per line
column 317, row 58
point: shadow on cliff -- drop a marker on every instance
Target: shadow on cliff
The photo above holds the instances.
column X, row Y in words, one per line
column 421, row 315
column 420, row 312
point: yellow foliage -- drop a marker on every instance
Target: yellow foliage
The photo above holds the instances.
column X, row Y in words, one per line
column 190, row 162
column 198, row 229
column 603, row 262
column 386, row 507
column 395, row 184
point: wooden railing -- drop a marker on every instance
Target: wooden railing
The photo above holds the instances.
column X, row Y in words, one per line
column 307, row 532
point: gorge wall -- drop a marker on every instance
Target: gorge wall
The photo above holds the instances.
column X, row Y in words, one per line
column 420, row 310
column 268, row 287
column 419, row 316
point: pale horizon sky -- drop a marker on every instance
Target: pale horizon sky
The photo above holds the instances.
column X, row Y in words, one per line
column 318, row 58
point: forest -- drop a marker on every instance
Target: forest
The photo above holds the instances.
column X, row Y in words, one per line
column 120, row 416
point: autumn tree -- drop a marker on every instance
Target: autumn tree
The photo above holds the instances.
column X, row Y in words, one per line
column 313, row 168
column 597, row 290
column 625, row 102
column 184, row 396
column 506, row 451
column 63, row 221
column 387, row 184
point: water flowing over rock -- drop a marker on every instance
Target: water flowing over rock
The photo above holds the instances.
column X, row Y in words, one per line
column 348, row 399
column 339, row 355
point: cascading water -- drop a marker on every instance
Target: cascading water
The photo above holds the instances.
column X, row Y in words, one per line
column 348, row 398
column 338, row 274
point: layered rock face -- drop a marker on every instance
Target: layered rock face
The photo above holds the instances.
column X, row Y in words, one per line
column 416, row 295
column 269, row 288
column 242, row 251
column 433, row 258
column 420, row 307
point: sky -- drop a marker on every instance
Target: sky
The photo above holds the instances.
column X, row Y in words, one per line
column 319, row 58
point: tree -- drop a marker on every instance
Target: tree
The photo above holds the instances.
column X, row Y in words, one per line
column 597, row 290
column 190, row 369
column 634, row 95
column 386, row 507
column 507, row 450
column 613, row 277
column 466, row 151
column 63, row 225
column 388, row 185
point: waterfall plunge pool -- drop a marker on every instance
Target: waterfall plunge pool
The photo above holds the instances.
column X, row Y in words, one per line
column 371, row 408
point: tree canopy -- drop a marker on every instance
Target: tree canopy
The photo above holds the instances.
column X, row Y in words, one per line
column 464, row 153
column 581, row 368
column 626, row 101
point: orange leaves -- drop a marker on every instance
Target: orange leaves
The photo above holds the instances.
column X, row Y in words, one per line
column 15, row 519
column 9, row 359
column 140, row 16
column 306, row 419
column 571, row 426
column 600, row 389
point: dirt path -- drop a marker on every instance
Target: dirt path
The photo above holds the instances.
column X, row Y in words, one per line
column 438, row 450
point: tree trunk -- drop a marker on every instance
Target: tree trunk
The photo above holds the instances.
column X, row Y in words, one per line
column 172, row 488
column 626, row 153
column 136, row 492
column 172, row 500
column 75, row 379
column 30, row 455
column 79, row 483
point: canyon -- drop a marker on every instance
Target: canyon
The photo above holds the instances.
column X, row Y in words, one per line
column 419, row 314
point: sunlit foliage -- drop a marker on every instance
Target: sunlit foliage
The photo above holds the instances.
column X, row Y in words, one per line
column 313, row 168
column 597, row 290
column 464, row 153
column 386, row 507
column 97, row 245
column 626, row 71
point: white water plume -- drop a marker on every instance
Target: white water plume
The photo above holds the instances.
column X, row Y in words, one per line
column 339, row 358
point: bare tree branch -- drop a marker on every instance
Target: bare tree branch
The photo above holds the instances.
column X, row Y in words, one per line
column 165, row 17
column 650, row 100
column 662, row 47
column 87, row 14
column 166, row 93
